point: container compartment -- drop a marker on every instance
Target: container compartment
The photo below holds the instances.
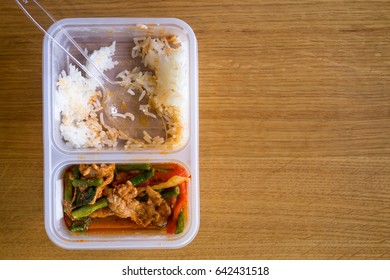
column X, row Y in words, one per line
column 115, row 237
column 96, row 33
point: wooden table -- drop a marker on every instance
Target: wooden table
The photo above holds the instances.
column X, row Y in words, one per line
column 294, row 129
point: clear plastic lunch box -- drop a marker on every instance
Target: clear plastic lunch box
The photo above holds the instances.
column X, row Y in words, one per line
column 94, row 33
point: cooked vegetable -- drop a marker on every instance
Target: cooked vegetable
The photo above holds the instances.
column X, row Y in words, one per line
column 174, row 181
column 135, row 193
column 135, row 166
column 142, row 177
column 88, row 209
column 171, row 192
column 178, row 208
column 89, row 182
column 68, row 193
column 165, row 195
column 80, row 225
column 84, row 197
column 162, row 170
column 180, row 223
column 75, row 172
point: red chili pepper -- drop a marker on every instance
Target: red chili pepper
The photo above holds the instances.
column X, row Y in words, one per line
column 181, row 203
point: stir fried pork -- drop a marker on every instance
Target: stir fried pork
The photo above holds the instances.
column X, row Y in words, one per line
column 122, row 202
column 161, row 206
column 137, row 195
column 105, row 171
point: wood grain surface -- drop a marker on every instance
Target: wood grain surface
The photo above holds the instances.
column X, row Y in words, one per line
column 294, row 128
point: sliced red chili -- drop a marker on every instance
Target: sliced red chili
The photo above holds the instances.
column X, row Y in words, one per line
column 180, row 204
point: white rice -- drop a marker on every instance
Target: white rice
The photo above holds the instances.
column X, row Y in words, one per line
column 130, row 115
column 147, row 113
column 102, row 59
column 78, row 101
column 170, row 67
column 131, row 91
column 101, row 119
column 142, row 96
column 170, row 96
column 144, row 107
column 147, row 137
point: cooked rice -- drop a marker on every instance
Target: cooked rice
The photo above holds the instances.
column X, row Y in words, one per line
column 101, row 118
column 122, row 135
column 147, row 113
column 118, row 115
column 130, row 115
column 147, row 137
column 142, row 96
column 78, row 101
column 165, row 85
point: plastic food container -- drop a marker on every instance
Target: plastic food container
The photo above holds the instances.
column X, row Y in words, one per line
column 94, row 33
